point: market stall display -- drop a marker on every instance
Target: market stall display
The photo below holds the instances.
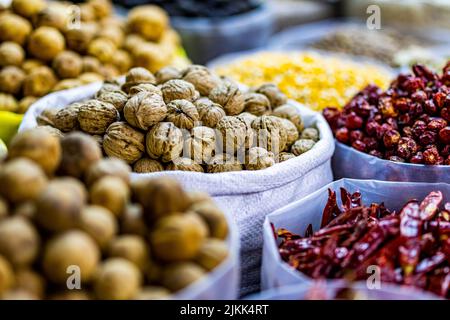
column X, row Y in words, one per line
column 52, row 46
column 314, row 79
column 68, row 213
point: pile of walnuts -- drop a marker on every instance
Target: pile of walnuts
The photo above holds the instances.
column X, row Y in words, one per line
column 46, row 47
column 188, row 120
column 72, row 226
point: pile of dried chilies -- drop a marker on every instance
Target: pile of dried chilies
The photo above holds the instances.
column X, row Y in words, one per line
column 411, row 247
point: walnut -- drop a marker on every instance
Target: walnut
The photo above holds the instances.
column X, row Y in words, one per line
column 8, row 102
column 67, row 84
column 273, row 93
column 68, row 64
column 137, row 76
column 14, row 28
column 167, row 73
column 45, row 43
column 164, row 141
column 257, row 104
column 247, row 117
column 90, row 77
column 259, row 158
column 25, row 104
column 47, row 117
column 108, row 86
column 201, row 146
column 122, row 60
column 202, row 79
column 292, row 114
column 146, row 165
column 209, row 112
column 178, row 276
column 223, row 163
column 124, row 142
column 27, row 8
column 116, row 97
column 213, row 216
column 184, row 164
column 182, row 113
column 302, row 146
column 235, row 134
column 144, row 87
column 284, row 156
column 54, row 15
column 78, row 39
column 212, row 253
column 108, row 167
column 111, row 193
column 11, row 54
column 151, row 56
column 144, row 110
column 109, row 71
column 99, row 223
column 31, row 64
column 103, row 49
column 102, row 8
column 179, row 89
column 90, row 64
column 79, row 152
column 149, row 21
column 133, row 41
column 11, row 79
column 66, row 119
column 270, row 133
column 112, row 33
column 95, row 116
column 228, row 95
column 39, row 82
column 291, row 132
column 310, row 133
column 53, row 131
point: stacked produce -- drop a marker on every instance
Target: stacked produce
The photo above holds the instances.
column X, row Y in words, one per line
column 410, row 247
column 46, row 47
column 189, row 120
column 312, row 79
column 407, row 123
column 66, row 213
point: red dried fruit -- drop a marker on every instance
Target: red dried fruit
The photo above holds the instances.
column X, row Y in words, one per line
column 431, row 156
column 359, row 145
column 371, row 128
column 439, row 99
column 376, row 153
column 406, row 147
column 353, row 121
column 419, row 96
column 391, row 138
column 356, row 135
column 342, row 135
column 419, row 128
column 436, row 124
column 417, row 158
column 430, row 107
column 428, row 137
column 445, row 114
column 371, row 143
column 444, row 135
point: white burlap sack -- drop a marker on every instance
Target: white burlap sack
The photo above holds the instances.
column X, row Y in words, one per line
column 246, row 195
column 299, row 214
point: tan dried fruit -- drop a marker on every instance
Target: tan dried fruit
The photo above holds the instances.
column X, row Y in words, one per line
column 103, row 49
column 212, row 253
column 79, row 152
column 178, row 89
column 259, row 158
column 291, row 113
column 235, row 134
column 99, row 223
column 209, row 112
column 25, row 104
column 19, row 241
column 124, row 142
column 273, row 93
column 30, row 282
column 146, row 165
column 39, row 82
column 182, row 113
column 228, row 95
column 21, row 180
column 301, row 146
column 122, row 61
column 132, row 248
column 291, row 132
column 223, row 163
column 8, row 102
column 68, row 64
column 117, row 279
column 90, row 64
column 164, row 141
column 167, row 73
column 45, row 43
column 110, row 192
column 149, row 21
column 144, row 110
column 59, row 206
column 11, row 79
column 257, row 104
column 184, row 164
column 284, row 156
column 66, row 119
column 179, row 276
column 214, row 218
column 96, row 116
column 72, row 248
column 202, row 79
column 178, row 237
column 270, row 133
column 201, row 145
column 78, row 39
column 14, row 28
column 144, row 87
column 310, row 133
column 6, row 274
column 38, row 145
column 108, row 167
column 11, row 54
column 136, row 76
column 132, row 220
column 27, row 8
column 153, row 293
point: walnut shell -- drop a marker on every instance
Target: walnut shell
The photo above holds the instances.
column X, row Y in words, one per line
column 108, row 167
column 103, row 49
column 201, row 146
column 122, row 61
column 27, row 8
column 151, row 56
column 90, row 77
column 114, row 34
column 223, row 163
column 270, row 133
column 11, row 54
column 310, row 133
column 228, row 95
column 144, row 87
column 124, row 142
column 8, row 102
column 234, row 134
column 111, row 193
column 39, row 82
column 14, row 28
column 66, row 119
column 102, row 8
column 184, row 164
column 179, row 89
column 45, row 43
column 47, row 117
column 144, row 110
column 149, row 21
column 117, row 98
column 212, row 253
column 137, row 76
column 133, row 41
column 291, row 132
column 78, row 39
column 146, row 165
column 273, row 93
column 178, row 276
column 67, row 84
column 301, row 146
column 68, row 64
column 259, row 158
column 108, row 86
column 202, row 79
column 257, row 104
column 209, row 112
column 213, row 216
column 91, row 64
column 95, row 116
column 167, row 73
column 11, row 79
column 247, row 117
column 53, row 131
column 55, row 14
column 164, row 141
column 284, row 156
column 292, row 114
column 182, row 113
column 99, row 223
